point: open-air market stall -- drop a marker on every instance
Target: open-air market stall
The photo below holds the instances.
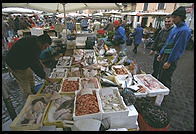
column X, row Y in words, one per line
column 92, row 89
column 93, row 85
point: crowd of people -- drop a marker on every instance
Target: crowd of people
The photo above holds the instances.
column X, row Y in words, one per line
column 169, row 44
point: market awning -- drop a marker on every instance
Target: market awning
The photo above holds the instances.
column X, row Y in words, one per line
column 19, row 10
column 58, row 7
column 146, row 14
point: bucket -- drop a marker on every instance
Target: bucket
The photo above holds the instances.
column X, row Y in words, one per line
column 145, row 127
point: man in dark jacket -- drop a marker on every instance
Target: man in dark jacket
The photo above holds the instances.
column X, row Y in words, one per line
column 158, row 43
column 174, row 46
column 23, row 57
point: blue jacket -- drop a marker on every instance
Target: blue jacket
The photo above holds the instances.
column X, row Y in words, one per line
column 120, row 33
column 179, row 36
column 137, row 34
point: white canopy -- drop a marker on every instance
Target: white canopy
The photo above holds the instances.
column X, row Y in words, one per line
column 146, row 14
column 58, row 7
column 98, row 14
column 19, row 10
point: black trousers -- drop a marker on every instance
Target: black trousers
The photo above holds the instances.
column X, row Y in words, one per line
column 165, row 75
column 156, row 65
column 135, row 48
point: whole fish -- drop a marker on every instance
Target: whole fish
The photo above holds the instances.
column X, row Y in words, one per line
column 66, row 104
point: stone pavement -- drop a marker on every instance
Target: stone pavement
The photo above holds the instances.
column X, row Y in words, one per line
column 179, row 104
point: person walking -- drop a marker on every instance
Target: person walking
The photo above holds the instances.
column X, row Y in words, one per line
column 119, row 37
column 174, row 46
column 159, row 41
column 137, row 36
column 23, row 58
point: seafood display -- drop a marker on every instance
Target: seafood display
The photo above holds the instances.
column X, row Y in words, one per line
column 57, row 75
column 150, row 82
column 89, row 57
column 120, row 70
column 70, row 85
column 89, row 72
column 79, row 52
column 64, row 62
column 112, row 103
column 51, row 87
column 77, row 59
column 86, row 104
column 91, row 82
column 61, row 108
column 74, row 72
column 34, row 112
column 141, row 89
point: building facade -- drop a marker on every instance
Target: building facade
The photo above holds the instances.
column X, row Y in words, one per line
column 150, row 8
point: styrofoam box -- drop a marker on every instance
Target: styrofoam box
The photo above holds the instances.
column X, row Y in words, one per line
column 98, row 83
column 80, row 42
column 64, row 58
column 97, row 116
column 70, row 79
column 86, row 52
column 120, row 79
column 119, row 66
column 59, row 70
column 164, row 91
column 129, row 121
column 111, row 114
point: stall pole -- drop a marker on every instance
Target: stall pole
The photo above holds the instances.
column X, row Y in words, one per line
column 65, row 21
column 8, row 102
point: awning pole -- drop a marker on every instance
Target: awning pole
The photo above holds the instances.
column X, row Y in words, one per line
column 65, row 21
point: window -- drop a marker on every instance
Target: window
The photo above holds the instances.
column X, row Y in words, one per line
column 145, row 7
column 161, row 6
